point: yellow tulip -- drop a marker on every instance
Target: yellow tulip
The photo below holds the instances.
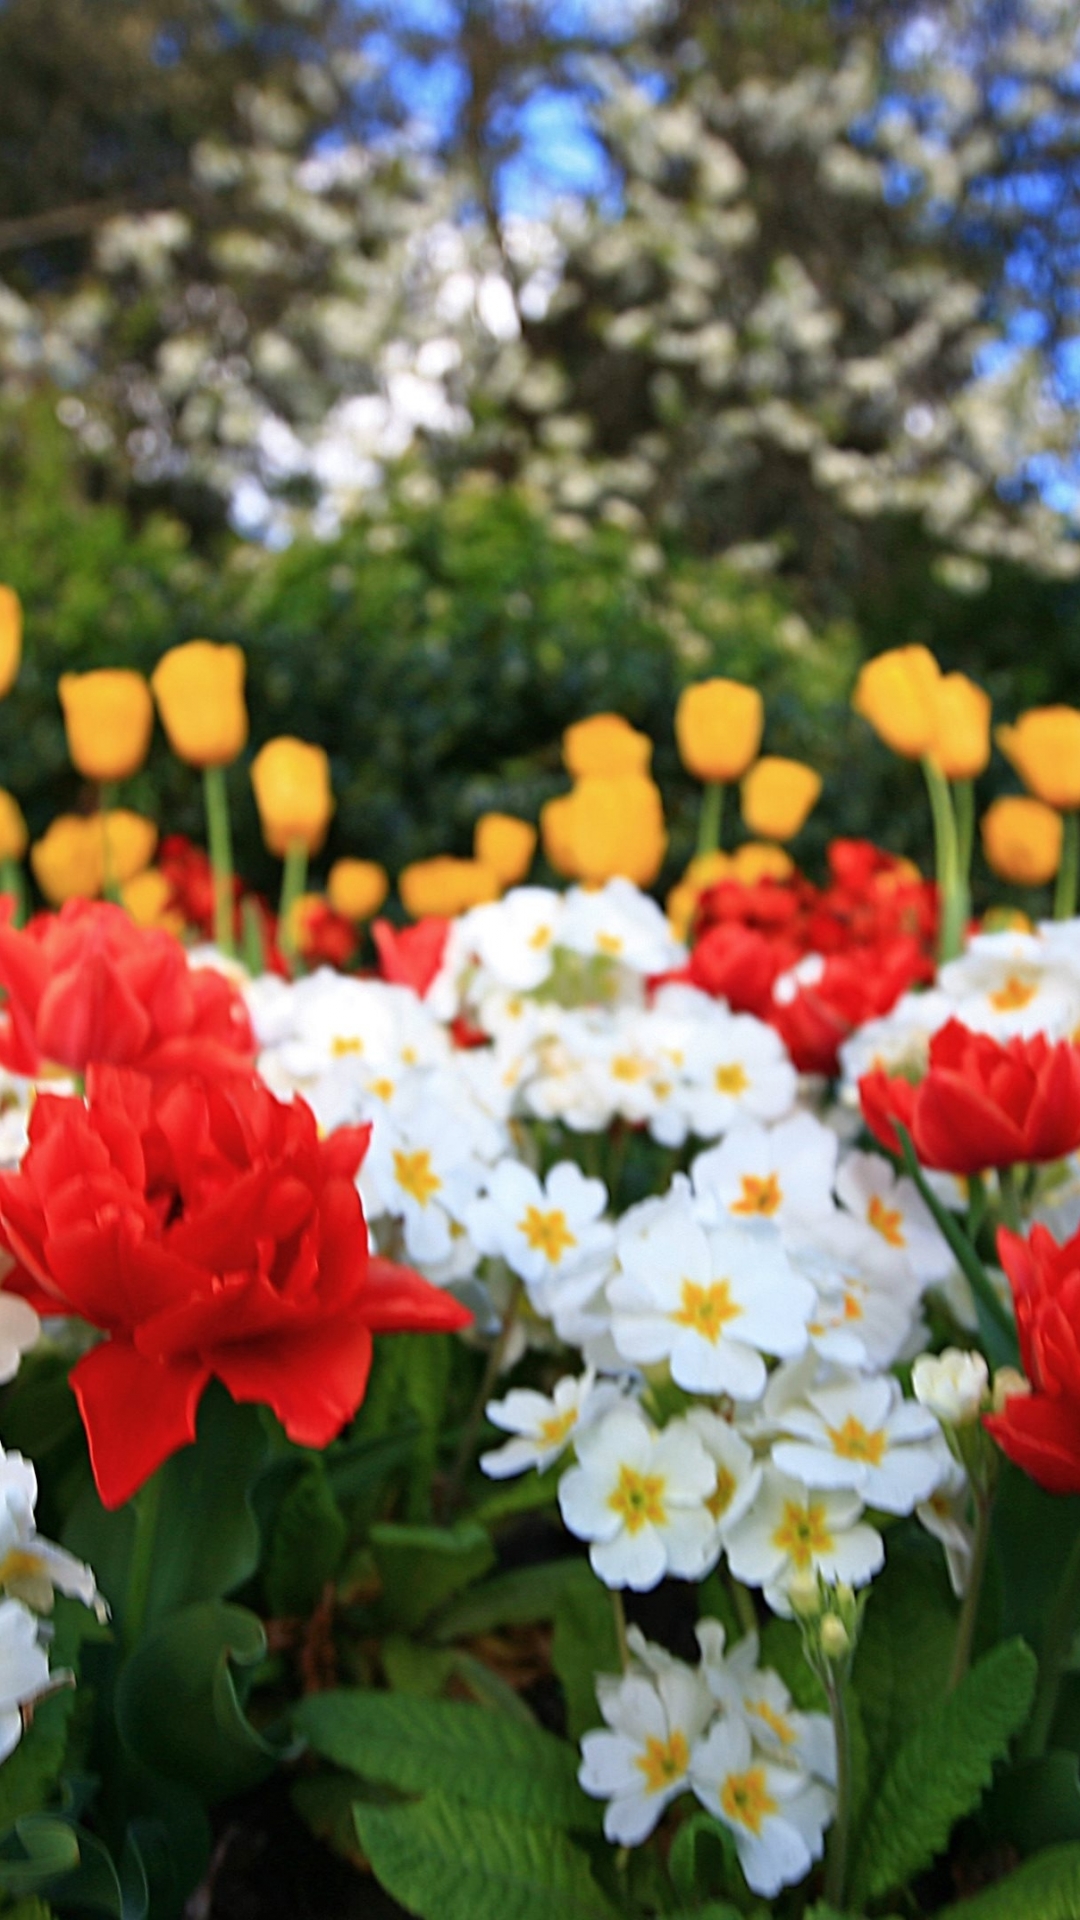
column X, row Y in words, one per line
column 67, row 861
column 757, row 860
column 555, row 816
column 292, row 792
column 605, row 744
column 357, row 888
column 506, row 845
column 10, row 638
column 1044, row 747
column 13, row 832
column 148, row 898
column 961, row 746
column 615, row 826
column 718, row 725
column 704, row 870
column 109, row 717
column 1022, row 840
column 199, row 689
column 898, row 693
column 445, row 886
column 132, row 840
column 777, row 796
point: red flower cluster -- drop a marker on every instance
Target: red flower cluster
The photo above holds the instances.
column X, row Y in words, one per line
column 982, row 1103
column 191, row 877
column 411, row 956
column 862, row 942
column 1040, row 1431
column 208, row 1231
column 87, row 985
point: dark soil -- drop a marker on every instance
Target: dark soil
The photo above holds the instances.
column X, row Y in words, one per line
column 267, row 1865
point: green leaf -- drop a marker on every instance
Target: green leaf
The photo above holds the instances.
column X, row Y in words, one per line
column 510, row 1600
column 28, row 1776
column 911, row 1605
column 443, row 1862
column 524, row 1495
column 421, row 1567
column 464, row 1751
column 206, row 1540
column 996, row 1326
column 942, row 1769
column 38, row 1849
column 29, row 1909
column 1045, row 1888
column 1036, row 1803
column 306, row 1545
column 782, row 1649
column 584, row 1644
column 177, row 1707
column 1033, row 1535
column 703, row 1857
column 410, row 1667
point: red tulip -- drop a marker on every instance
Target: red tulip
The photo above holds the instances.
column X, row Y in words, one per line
column 1040, row 1431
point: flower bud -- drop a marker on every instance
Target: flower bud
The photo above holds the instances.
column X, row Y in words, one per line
column 961, row 746
column 108, row 718
column 898, row 693
column 834, row 1637
column 1044, row 747
column 718, row 727
column 952, row 1385
column 804, row 1593
column 199, row 689
column 357, row 888
column 777, row 796
column 1008, row 1382
column 292, row 792
column 1022, row 840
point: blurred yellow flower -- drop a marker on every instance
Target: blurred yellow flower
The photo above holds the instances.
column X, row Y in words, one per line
column 1022, row 840
column 148, row 899
column 961, row 746
column 357, row 888
column 605, row 744
column 199, row 689
column 898, row 693
column 1044, row 747
column 67, row 861
column 777, row 796
column 506, row 845
column 718, row 726
column 108, row 717
column 704, row 870
column 445, row 886
column 13, row 831
column 555, row 817
column 756, row 860
column 10, row 638
column 615, row 826
column 132, row 842
column 292, row 792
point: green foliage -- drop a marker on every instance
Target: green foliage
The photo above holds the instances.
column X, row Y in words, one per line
column 703, row 1858
column 481, row 1758
column 445, row 1862
column 29, row 1776
column 584, row 1644
column 1035, row 1803
column 910, row 1606
column 1046, row 1888
column 941, row 1769
column 307, row 1543
column 421, row 1567
column 510, row 1599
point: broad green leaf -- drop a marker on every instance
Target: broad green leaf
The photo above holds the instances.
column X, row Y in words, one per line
column 910, row 1606
column 177, row 1707
column 306, row 1545
column 410, row 1667
column 703, row 1858
column 29, row 1909
column 325, row 1801
column 421, row 1567
column 1036, row 1803
column 38, row 1849
column 443, row 1861
column 524, row 1495
column 584, row 1644
column 1033, row 1533
column 510, row 1600
column 942, row 1769
column 463, row 1751
column 1044, row 1888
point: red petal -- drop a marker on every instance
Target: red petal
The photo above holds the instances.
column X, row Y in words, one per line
column 1042, row 1436
column 135, row 1413
column 313, row 1380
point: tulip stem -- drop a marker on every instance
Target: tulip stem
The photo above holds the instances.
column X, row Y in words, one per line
column 146, row 1507
column 293, row 883
column 219, row 834
column 952, row 890
column 1055, row 1657
column 108, row 872
column 964, row 803
column 1010, row 1199
column 1068, row 875
column 711, row 818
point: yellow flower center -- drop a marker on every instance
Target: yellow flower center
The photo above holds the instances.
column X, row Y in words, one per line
column 415, row 1174
column 610, row 943
column 547, row 1233
column 775, row 1722
column 886, row 1221
column 664, row 1761
column 707, row 1309
column 719, row 1499
column 382, row 1089
column 343, row 1043
column 554, row 1430
column 853, row 1308
column 746, row 1799
column 731, row 1080
column 759, row 1195
column 540, row 938
column 803, row 1532
column 853, row 1441
column 629, row 1066
column 408, row 1056
column 639, row 1498
column 1013, row 995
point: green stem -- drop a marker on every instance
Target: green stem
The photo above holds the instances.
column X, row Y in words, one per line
column 964, row 805
column 619, row 1613
column 219, row 834
column 995, row 1324
column 947, row 863
column 146, row 1507
column 1010, row 1199
column 836, row 1865
column 969, row 1611
column 293, row 883
column 1068, row 876
column 11, row 881
column 108, row 798
column 1054, row 1657
column 743, row 1602
column 711, row 818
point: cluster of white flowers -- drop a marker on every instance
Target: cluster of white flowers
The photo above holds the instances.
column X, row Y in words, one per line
column 31, row 1570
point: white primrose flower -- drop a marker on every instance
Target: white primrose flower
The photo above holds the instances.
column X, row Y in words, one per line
column 30, row 1566
column 791, row 1530
column 19, row 1331
column 618, row 922
column 738, row 1476
column 543, row 1427
column 24, row 1671
column 864, row 1435
column 953, row 1384
column 642, row 1763
column 709, row 1303
column 776, row 1813
column 542, row 1231
column 739, row 1070
column 779, row 1730
column 947, row 1515
column 514, row 939
column 1009, row 984
column 868, row 1296
column 782, row 1173
column 639, row 1497
column 893, row 1208
column 425, row 1172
